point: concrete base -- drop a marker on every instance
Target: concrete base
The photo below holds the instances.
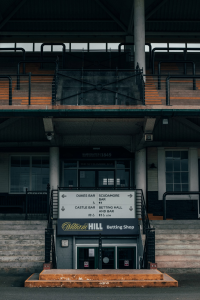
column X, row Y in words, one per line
column 100, row 278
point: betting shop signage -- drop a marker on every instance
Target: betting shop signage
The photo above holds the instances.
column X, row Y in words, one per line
column 97, row 226
column 97, row 204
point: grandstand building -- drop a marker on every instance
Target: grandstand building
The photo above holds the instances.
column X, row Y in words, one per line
column 99, row 134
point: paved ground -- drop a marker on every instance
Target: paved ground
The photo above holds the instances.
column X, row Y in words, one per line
column 11, row 288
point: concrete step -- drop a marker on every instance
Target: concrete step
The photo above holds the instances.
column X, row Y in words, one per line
column 26, row 232
column 177, row 242
column 18, row 252
column 174, row 222
column 21, row 237
column 176, row 231
column 178, row 264
column 177, row 236
column 177, row 227
column 177, row 258
column 28, row 265
column 176, row 247
column 177, row 252
column 22, row 242
column 21, row 258
column 24, row 222
column 22, row 227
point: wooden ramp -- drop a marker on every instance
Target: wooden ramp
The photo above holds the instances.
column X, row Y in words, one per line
column 100, row 278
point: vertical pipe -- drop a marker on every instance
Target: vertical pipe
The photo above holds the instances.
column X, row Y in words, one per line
column 164, row 206
column 24, row 71
column 159, row 86
column 139, row 33
column 18, row 78
column 29, row 88
column 153, row 58
column 167, row 91
column 10, row 91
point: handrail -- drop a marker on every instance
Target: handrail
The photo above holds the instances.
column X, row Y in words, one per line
column 53, row 44
column 175, row 193
column 185, row 50
column 178, row 61
column 132, row 44
column 18, row 49
column 177, row 76
column 33, row 62
column 10, row 87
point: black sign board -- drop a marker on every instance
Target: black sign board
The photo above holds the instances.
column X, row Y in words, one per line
column 96, row 226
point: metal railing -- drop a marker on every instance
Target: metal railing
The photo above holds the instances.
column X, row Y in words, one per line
column 37, row 202
column 132, row 44
column 177, row 76
column 149, row 246
column 53, row 44
column 115, row 82
column 176, row 62
column 174, row 194
column 9, row 87
column 17, row 49
column 185, row 50
column 33, row 62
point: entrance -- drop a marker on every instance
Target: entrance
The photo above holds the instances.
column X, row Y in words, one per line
column 112, row 257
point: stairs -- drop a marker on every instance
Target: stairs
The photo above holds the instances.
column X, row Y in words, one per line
column 22, row 245
column 100, row 279
column 177, row 245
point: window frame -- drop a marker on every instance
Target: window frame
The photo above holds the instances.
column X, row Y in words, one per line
column 30, row 172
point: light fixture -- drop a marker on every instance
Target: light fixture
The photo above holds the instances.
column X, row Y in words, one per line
column 165, row 121
column 49, row 135
column 152, row 166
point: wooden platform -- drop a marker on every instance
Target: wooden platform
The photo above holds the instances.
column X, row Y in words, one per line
column 100, row 278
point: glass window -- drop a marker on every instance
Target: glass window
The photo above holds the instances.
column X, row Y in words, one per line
column 70, row 164
column 40, row 173
column 58, row 48
column 70, row 178
column 159, row 45
column 7, row 45
column 20, row 174
column 45, row 49
column 97, row 46
column 113, row 46
column 87, row 179
column 79, row 46
column 173, row 45
column 193, row 46
column 122, row 178
column 122, row 164
column 177, row 177
column 29, row 172
column 106, row 179
column 26, row 46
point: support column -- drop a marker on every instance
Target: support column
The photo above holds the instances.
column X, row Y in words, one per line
column 140, row 173
column 54, row 167
column 139, row 34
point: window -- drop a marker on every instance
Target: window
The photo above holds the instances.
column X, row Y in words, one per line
column 29, row 172
column 176, row 163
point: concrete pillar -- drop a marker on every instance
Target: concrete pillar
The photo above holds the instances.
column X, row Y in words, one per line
column 139, row 34
column 140, row 173
column 54, row 167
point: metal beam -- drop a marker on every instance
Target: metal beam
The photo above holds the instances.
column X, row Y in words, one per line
column 188, row 123
column 173, row 21
column 155, row 8
column 8, row 122
column 111, row 15
column 16, row 8
column 59, row 21
column 131, row 20
column 63, row 33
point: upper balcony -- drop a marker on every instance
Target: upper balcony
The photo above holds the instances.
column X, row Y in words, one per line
column 99, row 80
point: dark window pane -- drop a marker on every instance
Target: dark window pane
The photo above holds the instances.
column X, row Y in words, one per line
column 70, row 178
column 122, row 178
column 169, row 165
column 177, row 165
column 168, row 154
column 177, row 177
column 169, row 187
column 184, row 177
column 70, row 164
column 177, row 187
column 123, row 164
column 176, row 154
column 87, row 179
column 169, row 177
column 184, row 164
column 184, row 155
column 184, row 187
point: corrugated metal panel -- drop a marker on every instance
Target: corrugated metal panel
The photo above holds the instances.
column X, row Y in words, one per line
column 4, row 174
column 152, row 174
column 26, row 129
column 174, row 132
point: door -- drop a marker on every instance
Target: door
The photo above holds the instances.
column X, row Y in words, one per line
column 126, row 258
column 87, row 258
column 108, row 258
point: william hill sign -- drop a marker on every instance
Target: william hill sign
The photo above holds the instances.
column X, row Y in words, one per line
column 96, row 226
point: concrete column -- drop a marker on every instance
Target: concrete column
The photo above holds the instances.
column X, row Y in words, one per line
column 140, row 173
column 54, row 167
column 139, row 34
